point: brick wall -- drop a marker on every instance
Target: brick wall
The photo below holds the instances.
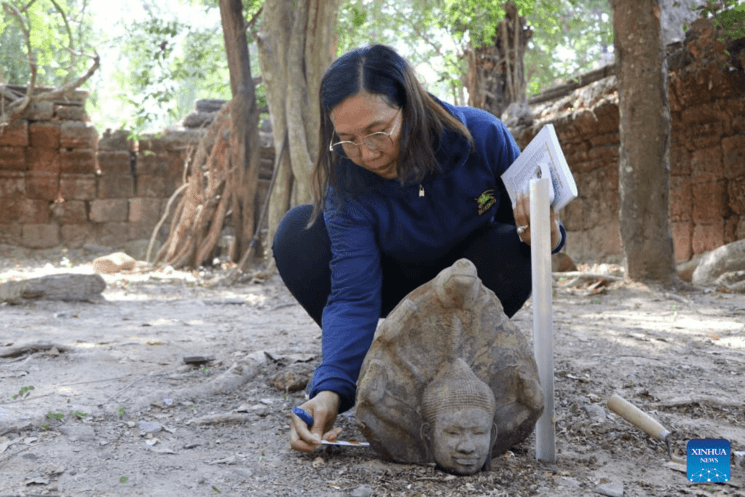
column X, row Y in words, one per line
column 707, row 154
column 60, row 185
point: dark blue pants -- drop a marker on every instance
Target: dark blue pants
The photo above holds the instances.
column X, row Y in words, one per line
column 303, row 257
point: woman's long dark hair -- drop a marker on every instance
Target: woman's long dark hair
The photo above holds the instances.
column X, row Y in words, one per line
column 379, row 70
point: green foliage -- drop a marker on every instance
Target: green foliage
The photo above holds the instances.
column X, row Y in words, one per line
column 23, row 393
column 55, row 416
column 59, row 48
column 78, row 415
column 569, row 36
column 727, row 14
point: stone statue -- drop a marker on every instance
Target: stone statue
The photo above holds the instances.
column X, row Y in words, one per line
column 448, row 378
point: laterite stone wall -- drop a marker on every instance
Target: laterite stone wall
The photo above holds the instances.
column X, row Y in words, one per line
column 707, row 154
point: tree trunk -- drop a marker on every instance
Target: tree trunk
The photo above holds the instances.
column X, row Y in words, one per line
column 244, row 126
column 496, row 75
column 295, row 41
column 644, row 165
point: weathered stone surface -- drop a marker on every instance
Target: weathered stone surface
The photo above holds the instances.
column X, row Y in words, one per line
column 15, row 135
column 42, row 159
column 12, row 184
column 115, row 140
column 109, row 210
column 40, row 235
column 42, row 185
column 144, row 210
column 77, row 186
column 69, row 112
column 12, row 158
column 71, row 287
column 727, row 258
column 113, row 263
column 78, row 135
column 43, row 135
column 707, row 237
column 119, row 186
column 78, row 161
column 70, row 212
column 453, row 317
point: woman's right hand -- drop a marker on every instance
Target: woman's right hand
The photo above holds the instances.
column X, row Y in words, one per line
column 324, row 408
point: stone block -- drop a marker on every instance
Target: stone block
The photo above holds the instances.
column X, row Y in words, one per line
column 109, row 210
column 740, row 233
column 144, row 210
column 681, row 199
column 706, row 164
column 681, row 232
column 12, row 158
column 738, row 125
column 121, row 186
column 709, row 201
column 605, row 241
column 11, row 207
column 606, row 139
column 15, row 135
column 707, row 237
column 42, row 185
column 608, row 154
column 730, row 228
column 136, row 231
column 33, row 211
column 736, row 194
column 12, row 184
column 69, row 112
column 153, row 164
column 572, row 216
column 680, row 160
column 78, row 135
column 114, row 162
column 76, row 235
column 704, row 135
column 11, row 234
column 112, row 140
column 43, row 160
column 78, row 161
column 77, row 186
column 151, row 186
column 703, row 113
column 43, row 135
column 111, row 234
column 733, row 156
column 41, row 235
column 608, row 118
column 70, row 212
column 40, row 111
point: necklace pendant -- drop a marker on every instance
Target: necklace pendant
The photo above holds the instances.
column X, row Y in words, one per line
column 421, row 190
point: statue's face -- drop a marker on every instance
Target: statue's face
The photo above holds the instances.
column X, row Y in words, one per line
column 462, row 439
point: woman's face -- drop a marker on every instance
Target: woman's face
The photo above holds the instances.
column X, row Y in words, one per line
column 361, row 115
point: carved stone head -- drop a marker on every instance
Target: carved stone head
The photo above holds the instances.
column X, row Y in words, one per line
column 458, row 410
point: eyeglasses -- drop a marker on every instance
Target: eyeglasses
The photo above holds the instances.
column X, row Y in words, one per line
column 374, row 142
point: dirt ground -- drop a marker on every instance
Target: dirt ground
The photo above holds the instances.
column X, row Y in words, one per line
column 115, row 411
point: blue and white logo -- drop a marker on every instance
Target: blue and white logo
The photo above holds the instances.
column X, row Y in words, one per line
column 708, row 460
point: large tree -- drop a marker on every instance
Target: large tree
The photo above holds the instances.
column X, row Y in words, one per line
column 296, row 45
column 644, row 165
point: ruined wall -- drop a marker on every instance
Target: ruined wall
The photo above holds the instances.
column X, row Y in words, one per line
column 60, row 185
column 707, row 159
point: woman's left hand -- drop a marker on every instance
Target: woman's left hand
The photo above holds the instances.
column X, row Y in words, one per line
column 522, row 220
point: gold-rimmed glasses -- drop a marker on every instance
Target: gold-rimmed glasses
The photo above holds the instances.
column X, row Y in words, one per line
column 374, row 142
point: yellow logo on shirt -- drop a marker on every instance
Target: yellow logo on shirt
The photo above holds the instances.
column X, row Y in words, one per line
column 485, row 201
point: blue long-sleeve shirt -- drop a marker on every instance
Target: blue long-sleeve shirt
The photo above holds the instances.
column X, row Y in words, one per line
column 394, row 219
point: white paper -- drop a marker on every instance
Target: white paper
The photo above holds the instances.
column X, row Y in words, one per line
column 541, row 158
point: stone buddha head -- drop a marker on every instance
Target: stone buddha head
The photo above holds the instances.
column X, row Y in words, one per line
column 458, row 410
